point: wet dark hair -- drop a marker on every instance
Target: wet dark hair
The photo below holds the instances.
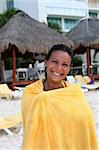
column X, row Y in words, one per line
column 59, row 47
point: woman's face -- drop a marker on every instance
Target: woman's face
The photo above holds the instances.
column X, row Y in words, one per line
column 58, row 66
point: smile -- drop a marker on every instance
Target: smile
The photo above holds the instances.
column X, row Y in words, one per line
column 56, row 74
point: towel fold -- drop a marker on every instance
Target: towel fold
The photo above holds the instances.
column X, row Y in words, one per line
column 59, row 119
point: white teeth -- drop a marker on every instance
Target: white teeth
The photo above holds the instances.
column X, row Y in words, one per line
column 57, row 74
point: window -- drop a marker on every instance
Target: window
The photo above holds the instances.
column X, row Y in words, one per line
column 10, row 4
column 54, row 20
column 70, row 23
column 93, row 14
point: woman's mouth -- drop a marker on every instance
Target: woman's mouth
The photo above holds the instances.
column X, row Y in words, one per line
column 57, row 74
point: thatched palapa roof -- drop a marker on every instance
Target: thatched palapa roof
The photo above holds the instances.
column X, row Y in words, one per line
column 85, row 34
column 29, row 34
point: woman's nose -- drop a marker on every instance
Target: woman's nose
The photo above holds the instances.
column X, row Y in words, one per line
column 59, row 66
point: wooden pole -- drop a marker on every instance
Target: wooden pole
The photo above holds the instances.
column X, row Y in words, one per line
column 88, row 56
column 1, row 69
column 14, row 65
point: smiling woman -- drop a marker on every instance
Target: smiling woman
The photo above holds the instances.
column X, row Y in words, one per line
column 57, row 63
column 56, row 115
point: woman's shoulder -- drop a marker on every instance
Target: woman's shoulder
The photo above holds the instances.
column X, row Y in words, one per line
column 67, row 84
column 37, row 85
column 74, row 86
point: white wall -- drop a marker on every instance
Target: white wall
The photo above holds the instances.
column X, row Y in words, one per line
column 28, row 6
column 3, row 6
column 42, row 11
column 66, row 3
column 34, row 8
column 92, row 54
column 66, row 7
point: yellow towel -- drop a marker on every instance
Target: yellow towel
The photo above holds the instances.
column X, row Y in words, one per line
column 58, row 119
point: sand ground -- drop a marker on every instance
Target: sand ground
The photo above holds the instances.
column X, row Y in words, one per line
column 8, row 107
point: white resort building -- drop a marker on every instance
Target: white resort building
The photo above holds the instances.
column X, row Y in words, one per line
column 66, row 13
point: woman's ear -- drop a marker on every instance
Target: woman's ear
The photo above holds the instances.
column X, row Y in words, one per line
column 70, row 68
column 45, row 62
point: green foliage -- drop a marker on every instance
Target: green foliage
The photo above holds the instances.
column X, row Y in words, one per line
column 4, row 18
column 8, row 63
column 95, row 53
column 18, row 60
column 55, row 26
column 77, row 61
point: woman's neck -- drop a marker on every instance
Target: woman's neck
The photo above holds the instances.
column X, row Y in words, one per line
column 52, row 85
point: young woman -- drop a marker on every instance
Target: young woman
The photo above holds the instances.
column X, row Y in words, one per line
column 56, row 115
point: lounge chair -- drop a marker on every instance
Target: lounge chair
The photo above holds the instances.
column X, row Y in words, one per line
column 9, row 122
column 80, row 79
column 70, row 79
column 7, row 93
column 83, row 81
column 87, row 79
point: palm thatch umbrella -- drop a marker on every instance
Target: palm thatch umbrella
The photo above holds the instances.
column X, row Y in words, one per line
column 85, row 36
column 26, row 34
column 29, row 34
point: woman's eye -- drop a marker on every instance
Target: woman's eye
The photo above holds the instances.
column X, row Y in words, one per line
column 65, row 65
column 54, row 61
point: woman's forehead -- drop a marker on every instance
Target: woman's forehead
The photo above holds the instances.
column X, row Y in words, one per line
column 59, row 54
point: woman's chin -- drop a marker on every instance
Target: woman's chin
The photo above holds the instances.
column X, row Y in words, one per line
column 57, row 80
